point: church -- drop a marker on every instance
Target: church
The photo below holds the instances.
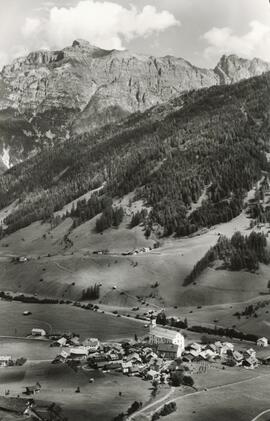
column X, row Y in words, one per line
column 160, row 335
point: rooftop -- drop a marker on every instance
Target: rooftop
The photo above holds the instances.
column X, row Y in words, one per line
column 167, row 348
column 163, row 333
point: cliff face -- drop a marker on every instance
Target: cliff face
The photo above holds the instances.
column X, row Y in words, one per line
column 48, row 95
column 232, row 69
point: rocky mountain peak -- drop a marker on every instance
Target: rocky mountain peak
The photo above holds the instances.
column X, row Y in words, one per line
column 232, row 68
column 82, row 43
column 48, row 95
column 81, row 46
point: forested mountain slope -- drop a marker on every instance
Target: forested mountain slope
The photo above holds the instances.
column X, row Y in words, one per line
column 47, row 96
column 214, row 137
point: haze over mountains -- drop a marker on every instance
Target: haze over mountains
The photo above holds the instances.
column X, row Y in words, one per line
column 50, row 96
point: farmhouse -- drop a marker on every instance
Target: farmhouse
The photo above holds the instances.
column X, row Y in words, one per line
column 92, row 344
column 152, row 375
column 79, row 352
column 190, row 356
column 38, row 332
column 169, row 351
column 250, row 362
column 262, row 342
column 75, row 340
column 114, row 365
column 238, row 357
column 61, row 342
column 134, row 371
column 227, row 347
column 194, row 347
column 208, row 354
column 126, row 367
column 159, row 335
column 134, row 358
column 100, row 365
column 63, row 356
column 249, row 353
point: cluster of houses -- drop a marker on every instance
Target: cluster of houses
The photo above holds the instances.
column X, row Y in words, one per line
column 141, row 360
column 6, row 361
column 150, row 359
column 223, row 351
column 75, row 349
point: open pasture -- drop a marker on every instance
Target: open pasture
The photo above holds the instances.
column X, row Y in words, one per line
column 64, row 318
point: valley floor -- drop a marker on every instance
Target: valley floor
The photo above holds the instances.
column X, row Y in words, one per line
column 131, row 286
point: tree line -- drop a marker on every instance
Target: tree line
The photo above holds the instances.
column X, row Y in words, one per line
column 239, row 252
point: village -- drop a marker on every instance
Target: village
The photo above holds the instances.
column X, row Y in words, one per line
column 155, row 357
column 164, row 358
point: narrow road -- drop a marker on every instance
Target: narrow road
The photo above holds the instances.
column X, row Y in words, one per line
column 23, row 338
column 261, row 415
column 171, row 391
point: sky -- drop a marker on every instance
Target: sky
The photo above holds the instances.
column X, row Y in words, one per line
column 200, row 31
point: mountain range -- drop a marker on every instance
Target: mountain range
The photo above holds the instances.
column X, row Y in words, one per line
column 206, row 147
column 49, row 97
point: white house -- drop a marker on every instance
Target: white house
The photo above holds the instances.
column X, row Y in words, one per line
column 92, row 344
column 262, row 342
column 159, row 335
column 38, row 332
column 79, row 352
column 249, row 353
column 126, row 367
column 62, row 341
column 64, row 355
column 22, row 259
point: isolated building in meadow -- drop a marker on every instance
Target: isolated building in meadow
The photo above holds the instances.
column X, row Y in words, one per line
column 159, row 335
column 38, row 332
column 262, row 342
